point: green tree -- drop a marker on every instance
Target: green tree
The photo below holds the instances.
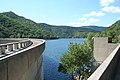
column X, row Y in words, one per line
column 90, row 40
column 77, row 60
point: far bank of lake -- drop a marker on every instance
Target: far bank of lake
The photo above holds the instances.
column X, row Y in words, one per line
column 54, row 49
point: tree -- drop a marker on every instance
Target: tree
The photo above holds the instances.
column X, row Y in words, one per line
column 77, row 60
column 90, row 40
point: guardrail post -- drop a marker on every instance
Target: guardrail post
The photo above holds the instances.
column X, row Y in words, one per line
column 19, row 45
column 2, row 49
column 9, row 47
column 28, row 43
column 23, row 44
column 15, row 46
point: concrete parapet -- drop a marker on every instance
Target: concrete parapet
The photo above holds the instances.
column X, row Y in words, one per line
column 106, row 71
column 103, row 48
column 25, row 64
column 14, row 46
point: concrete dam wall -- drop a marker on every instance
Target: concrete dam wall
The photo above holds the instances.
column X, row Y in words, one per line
column 24, row 64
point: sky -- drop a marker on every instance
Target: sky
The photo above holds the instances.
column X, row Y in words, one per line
column 66, row 12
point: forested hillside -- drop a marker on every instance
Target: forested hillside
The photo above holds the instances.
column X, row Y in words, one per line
column 14, row 26
column 113, row 31
column 68, row 31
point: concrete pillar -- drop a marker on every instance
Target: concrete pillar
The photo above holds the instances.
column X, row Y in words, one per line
column 9, row 47
column 23, row 44
column 2, row 49
column 27, row 43
column 15, row 46
column 19, row 45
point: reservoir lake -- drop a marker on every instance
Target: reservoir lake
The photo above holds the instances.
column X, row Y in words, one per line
column 51, row 57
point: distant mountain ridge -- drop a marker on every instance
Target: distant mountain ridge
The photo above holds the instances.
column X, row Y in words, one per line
column 15, row 26
column 91, row 28
column 96, row 28
column 69, row 31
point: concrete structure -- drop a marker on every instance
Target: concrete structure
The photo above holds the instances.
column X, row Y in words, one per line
column 103, row 47
column 109, row 55
column 21, row 59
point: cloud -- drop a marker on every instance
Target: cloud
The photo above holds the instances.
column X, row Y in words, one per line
column 111, row 9
column 92, row 20
column 93, row 13
column 84, row 22
column 106, row 2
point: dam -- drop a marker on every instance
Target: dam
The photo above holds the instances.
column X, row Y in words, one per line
column 107, row 59
column 21, row 59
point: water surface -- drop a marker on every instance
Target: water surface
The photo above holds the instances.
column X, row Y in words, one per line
column 51, row 57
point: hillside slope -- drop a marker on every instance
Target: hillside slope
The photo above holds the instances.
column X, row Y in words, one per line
column 113, row 31
column 12, row 25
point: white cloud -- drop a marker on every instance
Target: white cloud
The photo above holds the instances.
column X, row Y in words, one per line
column 106, row 2
column 84, row 22
column 111, row 9
column 92, row 20
column 93, row 13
